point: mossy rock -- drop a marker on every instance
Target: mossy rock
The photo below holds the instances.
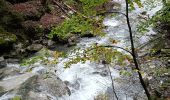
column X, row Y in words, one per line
column 6, row 38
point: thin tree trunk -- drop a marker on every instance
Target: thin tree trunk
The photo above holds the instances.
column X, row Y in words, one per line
column 134, row 53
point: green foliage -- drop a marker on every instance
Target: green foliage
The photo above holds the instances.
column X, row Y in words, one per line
column 142, row 27
column 82, row 22
column 99, row 54
column 133, row 2
column 125, row 73
column 77, row 24
column 16, row 98
column 150, row 4
column 163, row 15
column 6, row 37
column 32, row 60
column 42, row 56
column 89, row 5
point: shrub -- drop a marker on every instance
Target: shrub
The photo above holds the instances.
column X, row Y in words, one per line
column 77, row 24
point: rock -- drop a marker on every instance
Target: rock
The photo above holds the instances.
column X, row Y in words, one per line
column 2, row 62
column 6, row 40
column 42, row 86
column 13, row 61
column 49, row 43
column 9, row 71
column 15, row 81
column 34, row 47
column 72, row 40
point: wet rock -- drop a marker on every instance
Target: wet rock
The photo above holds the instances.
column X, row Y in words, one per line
column 34, row 47
column 42, row 85
column 2, row 62
column 37, row 96
column 49, row 43
column 9, row 71
column 72, row 40
column 15, row 81
column 13, row 61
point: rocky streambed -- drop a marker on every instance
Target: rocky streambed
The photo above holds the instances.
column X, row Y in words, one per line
column 43, row 76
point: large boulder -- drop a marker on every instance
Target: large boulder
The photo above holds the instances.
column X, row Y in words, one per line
column 34, row 47
column 15, row 81
column 33, row 86
column 40, row 87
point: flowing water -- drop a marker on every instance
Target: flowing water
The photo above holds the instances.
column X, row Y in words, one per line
column 88, row 80
column 84, row 84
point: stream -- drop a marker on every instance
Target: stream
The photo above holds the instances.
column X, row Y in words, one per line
column 90, row 80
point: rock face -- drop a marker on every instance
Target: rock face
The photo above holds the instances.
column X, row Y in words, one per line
column 15, row 82
column 31, row 86
column 39, row 87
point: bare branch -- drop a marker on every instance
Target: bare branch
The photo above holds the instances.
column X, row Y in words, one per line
column 113, row 88
column 134, row 52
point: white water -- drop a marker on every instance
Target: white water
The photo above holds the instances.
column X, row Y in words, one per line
column 88, row 80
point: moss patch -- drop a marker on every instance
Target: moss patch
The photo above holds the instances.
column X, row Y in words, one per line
column 6, row 38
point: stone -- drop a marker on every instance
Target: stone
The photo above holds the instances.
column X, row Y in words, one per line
column 15, row 81
column 2, row 62
column 9, row 71
column 39, row 87
column 34, row 47
column 51, row 44
column 72, row 40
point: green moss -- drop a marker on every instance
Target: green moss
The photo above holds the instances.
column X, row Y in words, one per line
column 7, row 38
column 16, row 98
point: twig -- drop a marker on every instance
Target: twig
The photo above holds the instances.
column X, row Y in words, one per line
column 60, row 7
